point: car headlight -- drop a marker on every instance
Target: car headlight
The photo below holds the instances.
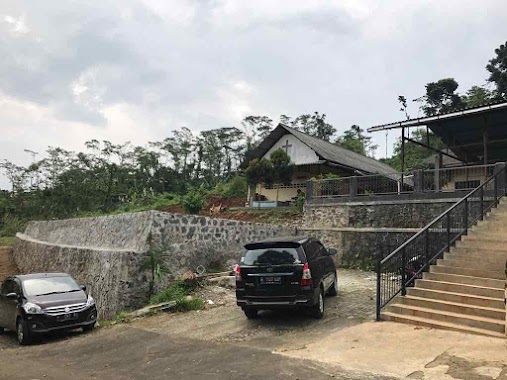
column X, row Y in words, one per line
column 31, row 308
column 90, row 301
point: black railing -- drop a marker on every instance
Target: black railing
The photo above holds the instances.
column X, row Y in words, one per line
column 405, row 264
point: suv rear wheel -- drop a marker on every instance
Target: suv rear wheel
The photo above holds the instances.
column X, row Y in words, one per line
column 318, row 308
column 251, row 313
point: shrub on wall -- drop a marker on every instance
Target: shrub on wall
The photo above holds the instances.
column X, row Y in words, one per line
column 193, row 202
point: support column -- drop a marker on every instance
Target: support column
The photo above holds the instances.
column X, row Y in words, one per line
column 402, row 156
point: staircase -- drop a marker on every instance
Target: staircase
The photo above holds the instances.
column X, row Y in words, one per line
column 464, row 291
column 7, row 266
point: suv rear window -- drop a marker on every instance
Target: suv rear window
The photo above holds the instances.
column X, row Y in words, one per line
column 271, row 256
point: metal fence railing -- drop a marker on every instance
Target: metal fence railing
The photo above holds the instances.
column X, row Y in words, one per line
column 406, row 263
column 417, row 181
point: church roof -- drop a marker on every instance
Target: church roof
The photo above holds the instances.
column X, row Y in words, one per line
column 326, row 151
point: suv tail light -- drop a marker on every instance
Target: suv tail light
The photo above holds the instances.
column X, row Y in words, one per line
column 237, row 272
column 306, row 279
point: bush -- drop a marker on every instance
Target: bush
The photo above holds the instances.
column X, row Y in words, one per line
column 193, row 202
column 236, row 187
column 178, row 292
column 11, row 225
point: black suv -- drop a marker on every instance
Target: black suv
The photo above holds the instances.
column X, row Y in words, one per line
column 39, row 303
column 291, row 272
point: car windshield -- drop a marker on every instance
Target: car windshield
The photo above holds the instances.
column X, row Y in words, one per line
column 271, row 256
column 49, row 285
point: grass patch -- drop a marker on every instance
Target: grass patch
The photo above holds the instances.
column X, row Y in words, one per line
column 179, row 292
column 7, row 240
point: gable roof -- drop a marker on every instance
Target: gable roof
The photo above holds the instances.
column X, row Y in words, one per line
column 326, row 151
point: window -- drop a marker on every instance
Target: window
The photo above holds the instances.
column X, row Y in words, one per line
column 462, row 185
column 49, row 285
column 271, row 256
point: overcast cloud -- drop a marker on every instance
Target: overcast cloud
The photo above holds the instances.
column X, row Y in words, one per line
column 135, row 70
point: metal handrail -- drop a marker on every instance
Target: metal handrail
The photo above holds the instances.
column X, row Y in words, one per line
column 418, row 247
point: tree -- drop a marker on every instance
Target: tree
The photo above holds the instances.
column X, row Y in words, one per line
column 478, row 96
column 415, row 154
column 283, row 169
column 314, row 125
column 441, row 96
column 497, row 67
column 355, row 140
column 259, row 171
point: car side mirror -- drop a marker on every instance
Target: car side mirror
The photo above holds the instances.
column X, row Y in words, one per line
column 83, row 288
column 332, row 251
column 11, row 296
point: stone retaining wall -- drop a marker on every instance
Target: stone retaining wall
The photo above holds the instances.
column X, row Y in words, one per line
column 109, row 254
column 361, row 230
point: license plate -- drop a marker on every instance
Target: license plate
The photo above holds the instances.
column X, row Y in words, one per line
column 67, row 317
column 271, row 280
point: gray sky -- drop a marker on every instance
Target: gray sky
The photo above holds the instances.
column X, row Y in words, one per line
column 134, row 70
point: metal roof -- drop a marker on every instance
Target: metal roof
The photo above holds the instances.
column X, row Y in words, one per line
column 326, row 151
column 463, row 131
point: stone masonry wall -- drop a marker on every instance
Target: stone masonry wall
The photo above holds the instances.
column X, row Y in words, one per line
column 361, row 230
column 109, row 253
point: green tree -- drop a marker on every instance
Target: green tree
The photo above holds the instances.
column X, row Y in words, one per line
column 312, row 124
column 497, row 68
column 441, row 96
column 259, row 171
column 478, row 96
column 415, row 154
column 354, row 139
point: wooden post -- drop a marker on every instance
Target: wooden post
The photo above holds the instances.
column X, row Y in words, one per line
column 402, row 155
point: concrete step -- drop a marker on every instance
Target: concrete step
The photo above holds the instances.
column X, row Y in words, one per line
column 496, row 260
column 449, row 317
column 499, row 275
column 453, row 307
column 481, row 252
column 493, row 303
column 482, row 244
column 481, row 265
column 460, row 288
column 488, row 234
column 487, row 225
column 467, row 280
column 418, row 321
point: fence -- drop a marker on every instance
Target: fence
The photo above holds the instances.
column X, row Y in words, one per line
column 418, row 181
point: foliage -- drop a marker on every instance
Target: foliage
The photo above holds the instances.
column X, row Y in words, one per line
column 6, row 240
column 10, row 225
column 155, row 263
column 193, row 201
column 283, row 169
column 237, row 187
column 441, row 96
column 497, row 68
column 414, row 153
column 179, row 292
column 312, row 124
column 122, row 317
column 355, row 140
column 259, row 171
column 478, row 96
column 300, row 201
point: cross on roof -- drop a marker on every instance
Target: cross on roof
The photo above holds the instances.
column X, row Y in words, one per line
column 287, row 146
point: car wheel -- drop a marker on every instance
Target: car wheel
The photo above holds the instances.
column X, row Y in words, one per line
column 318, row 308
column 88, row 328
column 333, row 290
column 23, row 333
column 251, row 313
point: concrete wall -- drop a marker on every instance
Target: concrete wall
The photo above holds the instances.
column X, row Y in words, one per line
column 361, row 230
column 108, row 254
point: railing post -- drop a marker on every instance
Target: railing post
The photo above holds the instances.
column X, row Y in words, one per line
column 427, row 247
column 379, row 295
column 466, row 216
column 449, row 231
column 353, row 186
column 403, row 272
column 482, row 202
column 495, row 180
column 309, row 192
column 418, row 181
